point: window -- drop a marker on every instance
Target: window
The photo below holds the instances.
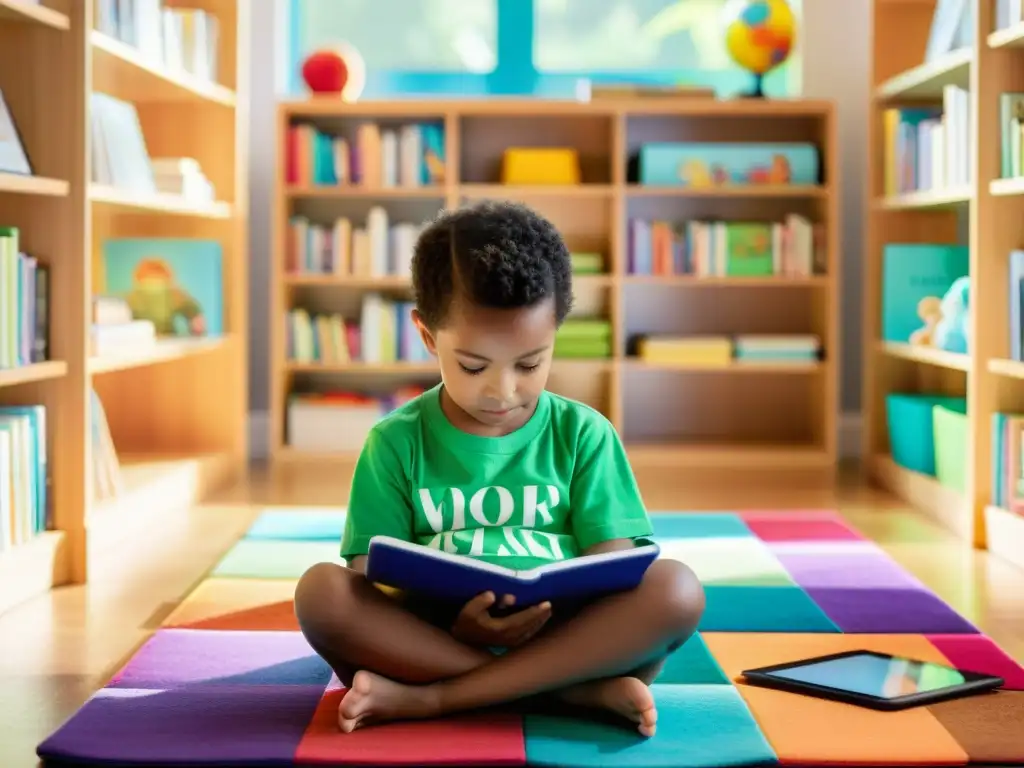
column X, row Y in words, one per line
column 528, row 47
column 403, row 35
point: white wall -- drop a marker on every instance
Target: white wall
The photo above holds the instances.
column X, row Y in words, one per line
column 836, row 60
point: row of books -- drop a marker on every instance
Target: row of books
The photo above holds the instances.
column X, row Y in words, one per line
column 723, row 350
column 174, row 38
column 24, row 491
column 1016, row 304
column 24, row 304
column 928, row 148
column 1011, row 135
column 795, row 247
column 376, row 249
column 384, row 333
column 121, row 159
column 370, row 155
column 1007, row 480
column 338, row 421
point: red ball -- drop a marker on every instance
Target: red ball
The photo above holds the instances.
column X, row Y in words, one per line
column 325, row 72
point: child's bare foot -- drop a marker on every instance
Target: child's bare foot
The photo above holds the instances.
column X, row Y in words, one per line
column 626, row 696
column 373, row 699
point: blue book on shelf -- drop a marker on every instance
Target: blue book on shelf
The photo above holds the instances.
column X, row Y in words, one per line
column 1016, row 302
column 458, row 578
column 912, row 272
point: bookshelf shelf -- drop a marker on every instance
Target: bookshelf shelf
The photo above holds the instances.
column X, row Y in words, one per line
column 174, row 417
column 1011, row 37
column 929, row 198
column 928, row 355
column 772, row 415
column 1013, row 369
column 33, row 185
column 928, row 80
column 121, row 70
column 33, row 13
column 984, row 222
column 100, row 194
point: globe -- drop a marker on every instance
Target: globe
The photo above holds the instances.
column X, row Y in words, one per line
column 759, row 35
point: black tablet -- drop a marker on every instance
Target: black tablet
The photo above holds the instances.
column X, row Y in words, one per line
column 874, row 680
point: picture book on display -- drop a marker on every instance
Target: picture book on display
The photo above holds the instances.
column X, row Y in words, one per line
column 458, row 578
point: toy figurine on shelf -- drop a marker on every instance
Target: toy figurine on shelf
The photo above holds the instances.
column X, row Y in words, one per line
column 338, row 71
column 759, row 36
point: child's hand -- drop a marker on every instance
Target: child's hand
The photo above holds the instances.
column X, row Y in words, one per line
column 476, row 626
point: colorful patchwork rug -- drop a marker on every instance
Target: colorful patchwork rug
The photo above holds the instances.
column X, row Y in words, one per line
column 228, row 679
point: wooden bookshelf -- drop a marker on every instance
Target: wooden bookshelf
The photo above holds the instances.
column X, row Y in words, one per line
column 737, row 415
column 177, row 411
column 985, row 215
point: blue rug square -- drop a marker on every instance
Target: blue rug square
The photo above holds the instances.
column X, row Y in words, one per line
column 699, row 726
column 691, row 525
column 299, row 525
column 692, row 664
column 762, row 609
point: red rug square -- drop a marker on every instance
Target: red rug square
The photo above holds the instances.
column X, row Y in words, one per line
column 484, row 739
column 978, row 653
column 791, row 528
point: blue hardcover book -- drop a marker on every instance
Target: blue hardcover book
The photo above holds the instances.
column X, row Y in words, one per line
column 912, row 272
column 1016, row 302
column 416, row 568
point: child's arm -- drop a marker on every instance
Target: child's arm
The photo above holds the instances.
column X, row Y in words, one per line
column 608, row 513
column 379, row 503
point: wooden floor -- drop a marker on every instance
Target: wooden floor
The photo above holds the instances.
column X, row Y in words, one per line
column 56, row 650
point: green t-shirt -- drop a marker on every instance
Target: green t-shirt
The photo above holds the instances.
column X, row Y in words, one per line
column 548, row 491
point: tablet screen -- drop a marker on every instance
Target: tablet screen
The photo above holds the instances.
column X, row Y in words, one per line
column 877, row 676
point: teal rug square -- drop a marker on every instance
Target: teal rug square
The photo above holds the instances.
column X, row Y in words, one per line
column 762, row 609
column 299, row 525
column 269, row 559
column 689, row 525
column 692, row 664
column 699, row 726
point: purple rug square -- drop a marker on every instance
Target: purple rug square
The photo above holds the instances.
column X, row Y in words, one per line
column 846, row 568
column 205, row 725
column 174, row 657
column 889, row 611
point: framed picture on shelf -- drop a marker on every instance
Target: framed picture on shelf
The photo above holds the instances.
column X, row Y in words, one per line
column 13, row 158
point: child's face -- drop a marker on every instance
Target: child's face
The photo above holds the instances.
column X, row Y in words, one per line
column 494, row 363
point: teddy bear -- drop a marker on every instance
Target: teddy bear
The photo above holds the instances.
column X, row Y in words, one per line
column 952, row 331
column 929, row 309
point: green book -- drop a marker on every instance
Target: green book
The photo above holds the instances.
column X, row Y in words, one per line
column 748, row 249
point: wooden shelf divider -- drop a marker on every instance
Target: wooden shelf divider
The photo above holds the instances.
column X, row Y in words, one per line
column 178, row 411
column 772, row 416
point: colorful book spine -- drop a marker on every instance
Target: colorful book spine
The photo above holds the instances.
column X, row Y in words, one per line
column 384, row 333
column 369, row 156
column 24, row 498
column 375, row 248
column 24, row 304
column 1007, row 479
column 795, row 247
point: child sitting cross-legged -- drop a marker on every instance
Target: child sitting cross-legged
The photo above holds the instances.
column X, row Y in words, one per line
column 490, row 465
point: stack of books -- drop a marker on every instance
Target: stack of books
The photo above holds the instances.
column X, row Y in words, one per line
column 183, row 176
column 339, row 422
column 371, row 156
column 794, row 247
column 24, row 506
column 24, row 304
column 796, row 348
column 378, row 248
column 115, row 331
column 587, row 263
column 584, row 338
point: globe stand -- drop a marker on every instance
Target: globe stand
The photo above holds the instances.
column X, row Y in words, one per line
column 758, row 92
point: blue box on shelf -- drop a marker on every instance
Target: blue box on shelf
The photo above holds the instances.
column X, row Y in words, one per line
column 709, row 164
column 912, row 430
